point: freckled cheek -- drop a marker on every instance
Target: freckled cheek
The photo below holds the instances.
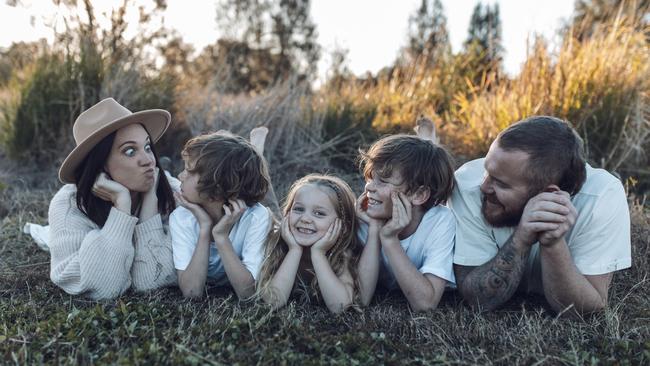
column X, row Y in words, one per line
column 369, row 186
column 383, row 193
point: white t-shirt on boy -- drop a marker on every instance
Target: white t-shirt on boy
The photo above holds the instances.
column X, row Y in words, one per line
column 247, row 236
column 430, row 248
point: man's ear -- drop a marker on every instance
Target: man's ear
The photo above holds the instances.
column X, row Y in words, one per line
column 420, row 196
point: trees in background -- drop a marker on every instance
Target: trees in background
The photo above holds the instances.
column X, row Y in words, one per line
column 265, row 42
column 483, row 45
column 428, row 37
column 598, row 78
column 85, row 64
column 590, row 15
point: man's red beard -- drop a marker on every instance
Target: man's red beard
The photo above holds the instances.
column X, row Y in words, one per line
column 499, row 215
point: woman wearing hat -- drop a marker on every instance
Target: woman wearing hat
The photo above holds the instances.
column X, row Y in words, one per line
column 106, row 223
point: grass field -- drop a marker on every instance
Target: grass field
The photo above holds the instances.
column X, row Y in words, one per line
column 41, row 324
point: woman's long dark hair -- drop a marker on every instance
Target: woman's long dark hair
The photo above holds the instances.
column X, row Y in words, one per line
column 87, row 172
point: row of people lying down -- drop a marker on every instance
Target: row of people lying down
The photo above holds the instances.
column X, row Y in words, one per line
column 121, row 222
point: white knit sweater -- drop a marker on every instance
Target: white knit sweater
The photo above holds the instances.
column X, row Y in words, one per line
column 104, row 262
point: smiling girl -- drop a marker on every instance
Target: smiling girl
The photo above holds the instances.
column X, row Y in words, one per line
column 317, row 245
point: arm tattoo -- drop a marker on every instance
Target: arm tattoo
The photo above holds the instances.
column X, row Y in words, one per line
column 488, row 286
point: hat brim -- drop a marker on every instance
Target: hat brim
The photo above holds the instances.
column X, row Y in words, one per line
column 155, row 121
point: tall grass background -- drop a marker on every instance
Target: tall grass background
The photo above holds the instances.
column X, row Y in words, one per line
column 600, row 84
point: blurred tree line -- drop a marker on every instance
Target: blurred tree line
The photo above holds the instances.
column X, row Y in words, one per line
column 270, row 46
column 44, row 87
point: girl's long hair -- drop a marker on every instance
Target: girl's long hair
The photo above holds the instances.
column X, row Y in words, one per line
column 344, row 253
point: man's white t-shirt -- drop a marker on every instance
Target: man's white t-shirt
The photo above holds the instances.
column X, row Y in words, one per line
column 430, row 248
column 247, row 236
column 599, row 241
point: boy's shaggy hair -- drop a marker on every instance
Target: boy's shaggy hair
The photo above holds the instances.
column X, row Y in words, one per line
column 421, row 163
column 228, row 166
column 344, row 253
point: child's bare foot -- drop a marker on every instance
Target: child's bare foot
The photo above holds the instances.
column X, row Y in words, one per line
column 258, row 137
column 426, row 129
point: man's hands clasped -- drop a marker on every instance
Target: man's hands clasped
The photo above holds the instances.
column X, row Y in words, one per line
column 547, row 218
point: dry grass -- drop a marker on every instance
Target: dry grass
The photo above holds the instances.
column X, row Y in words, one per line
column 604, row 94
column 39, row 323
column 295, row 145
column 600, row 84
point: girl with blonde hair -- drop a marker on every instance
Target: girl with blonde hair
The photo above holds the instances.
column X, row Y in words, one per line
column 316, row 249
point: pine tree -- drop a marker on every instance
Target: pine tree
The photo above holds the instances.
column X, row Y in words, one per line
column 591, row 14
column 280, row 33
column 484, row 37
column 428, row 36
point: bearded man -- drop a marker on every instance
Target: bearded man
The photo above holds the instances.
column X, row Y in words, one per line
column 533, row 216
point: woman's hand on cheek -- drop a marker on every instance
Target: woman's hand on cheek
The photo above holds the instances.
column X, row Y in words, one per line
column 329, row 239
column 150, row 199
column 112, row 191
column 154, row 187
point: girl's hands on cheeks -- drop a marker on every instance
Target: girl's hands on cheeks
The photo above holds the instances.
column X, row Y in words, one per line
column 287, row 235
column 402, row 214
column 327, row 241
column 112, row 191
column 205, row 222
column 232, row 212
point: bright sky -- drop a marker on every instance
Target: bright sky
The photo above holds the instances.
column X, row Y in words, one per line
column 371, row 30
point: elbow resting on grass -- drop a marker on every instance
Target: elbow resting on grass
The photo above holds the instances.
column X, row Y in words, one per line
column 339, row 307
column 190, row 288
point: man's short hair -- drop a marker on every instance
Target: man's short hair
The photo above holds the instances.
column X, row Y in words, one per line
column 421, row 163
column 228, row 166
column 555, row 151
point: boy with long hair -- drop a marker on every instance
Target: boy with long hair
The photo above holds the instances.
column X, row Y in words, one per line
column 220, row 229
column 407, row 229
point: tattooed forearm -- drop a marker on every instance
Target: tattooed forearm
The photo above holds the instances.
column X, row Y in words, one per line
column 488, row 286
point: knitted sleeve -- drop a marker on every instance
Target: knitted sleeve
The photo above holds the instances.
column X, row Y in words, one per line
column 153, row 266
column 86, row 259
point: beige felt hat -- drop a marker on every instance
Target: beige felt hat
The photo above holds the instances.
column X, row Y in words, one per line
column 102, row 119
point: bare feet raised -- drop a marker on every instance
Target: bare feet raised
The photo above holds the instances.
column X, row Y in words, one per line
column 258, row 137
column 425, row 129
